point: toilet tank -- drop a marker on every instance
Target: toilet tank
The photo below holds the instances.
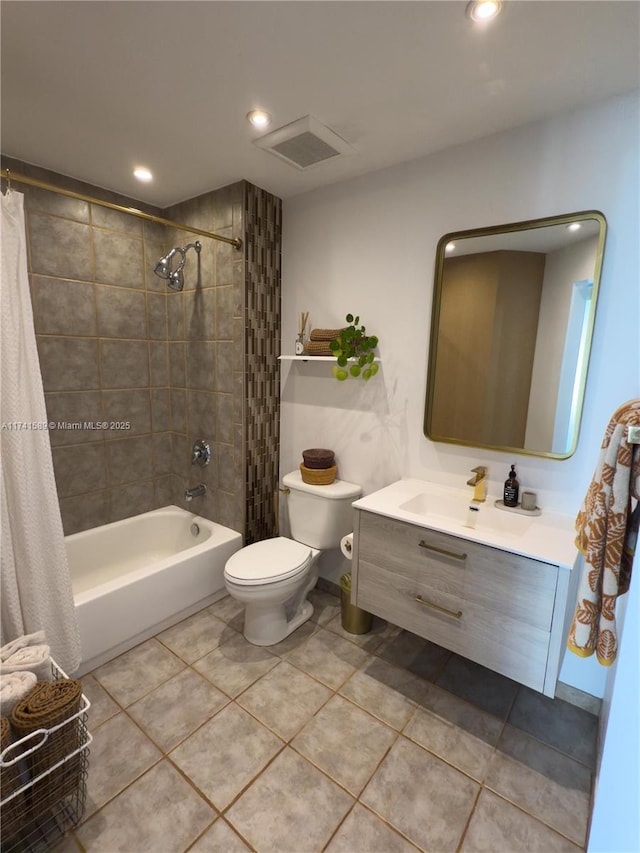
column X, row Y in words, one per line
column 319, row 516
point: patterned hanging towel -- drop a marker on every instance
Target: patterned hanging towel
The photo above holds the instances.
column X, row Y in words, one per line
column 607, row 528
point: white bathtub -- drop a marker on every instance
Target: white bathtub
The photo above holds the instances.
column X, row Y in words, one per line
column 135, row 577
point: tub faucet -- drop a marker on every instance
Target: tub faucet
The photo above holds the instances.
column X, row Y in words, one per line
column 195, row 492
column 479, row 483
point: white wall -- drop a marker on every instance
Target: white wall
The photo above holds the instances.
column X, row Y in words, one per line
column 368, row 246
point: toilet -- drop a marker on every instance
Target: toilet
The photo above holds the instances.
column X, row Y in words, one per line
column 272, row 578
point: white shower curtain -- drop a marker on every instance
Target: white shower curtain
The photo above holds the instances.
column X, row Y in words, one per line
column 35, row 581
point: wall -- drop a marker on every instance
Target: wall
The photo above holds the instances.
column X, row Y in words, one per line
column 205, row 339
column 224, row 338
column 101, row 334
column 368, row 245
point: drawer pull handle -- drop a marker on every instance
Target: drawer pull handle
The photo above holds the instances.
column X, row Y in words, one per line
column 453, row 554
column 455, row 614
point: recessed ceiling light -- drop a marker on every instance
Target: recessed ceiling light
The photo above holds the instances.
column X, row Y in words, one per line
column 483, row 10
column 449, row 247
column 142, row 174
column 575, row 226
column 259, row 118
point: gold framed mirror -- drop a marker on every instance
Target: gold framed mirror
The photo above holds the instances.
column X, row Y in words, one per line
column 511, row 326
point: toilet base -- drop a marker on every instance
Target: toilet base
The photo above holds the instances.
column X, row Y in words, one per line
column 266, row 626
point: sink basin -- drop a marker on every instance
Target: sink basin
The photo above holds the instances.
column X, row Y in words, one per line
column 548, row 537
column 453, row 505
column 449, row 504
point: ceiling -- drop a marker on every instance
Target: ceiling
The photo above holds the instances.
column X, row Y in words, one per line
column 92, row 89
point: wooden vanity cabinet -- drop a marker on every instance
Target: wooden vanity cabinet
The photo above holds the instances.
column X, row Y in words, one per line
column 497, row 608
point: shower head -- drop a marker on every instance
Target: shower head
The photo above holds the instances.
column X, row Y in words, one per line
column 175, row 277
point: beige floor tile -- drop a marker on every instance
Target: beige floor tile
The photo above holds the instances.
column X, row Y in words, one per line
column 159, row 812
column 291, row 808
column 236, row 665
column 384, row 690
column 547, row 784
column 102, row 705
column 415, row 654
column 423, row 797
column 229, row 610
column 120, row 753
column 364, row 832
column 196, row 636
column 572, row 730
column 220, row 839
column 460, row 733
column 295, row 640
column 174, row 710
column 345, row 742
column 328, row 658
column 499, row 827
column 325, row 605
column 284, row 699
column 372, row 640
column 137, row 672
column 225, row 754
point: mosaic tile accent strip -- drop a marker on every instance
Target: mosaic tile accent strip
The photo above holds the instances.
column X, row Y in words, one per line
column 263, row 240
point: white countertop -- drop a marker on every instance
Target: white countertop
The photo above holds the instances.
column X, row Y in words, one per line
column 548, row 537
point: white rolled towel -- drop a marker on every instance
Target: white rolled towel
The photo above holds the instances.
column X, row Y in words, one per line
column 13, row 646
column 14, row 686
column 36, row 659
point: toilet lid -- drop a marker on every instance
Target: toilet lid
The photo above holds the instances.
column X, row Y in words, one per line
column 269, row 560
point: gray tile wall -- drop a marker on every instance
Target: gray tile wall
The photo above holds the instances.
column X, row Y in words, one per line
column 205, row 333
column 96, row 316
column 117, row 346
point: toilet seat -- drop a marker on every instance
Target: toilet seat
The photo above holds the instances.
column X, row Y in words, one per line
column 268, row 561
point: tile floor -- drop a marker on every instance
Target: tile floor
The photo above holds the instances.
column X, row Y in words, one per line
column 381, row 743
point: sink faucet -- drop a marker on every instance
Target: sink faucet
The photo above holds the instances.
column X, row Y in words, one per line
column 195, row 492
column 479, row 483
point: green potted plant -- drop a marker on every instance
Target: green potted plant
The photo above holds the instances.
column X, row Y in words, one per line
column 354, row 351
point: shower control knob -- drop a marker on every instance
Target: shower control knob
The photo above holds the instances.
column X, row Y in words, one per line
column 201, row 453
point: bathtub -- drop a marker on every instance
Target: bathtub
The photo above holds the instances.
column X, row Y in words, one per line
column 135, row 577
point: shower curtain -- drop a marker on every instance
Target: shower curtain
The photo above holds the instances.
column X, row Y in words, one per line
column 35, row 580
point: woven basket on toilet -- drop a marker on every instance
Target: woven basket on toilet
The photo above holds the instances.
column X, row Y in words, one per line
column 318, row 467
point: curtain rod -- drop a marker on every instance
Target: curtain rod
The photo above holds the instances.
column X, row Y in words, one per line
column 10, row 176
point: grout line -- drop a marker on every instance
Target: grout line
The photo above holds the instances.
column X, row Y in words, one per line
column 468, row 821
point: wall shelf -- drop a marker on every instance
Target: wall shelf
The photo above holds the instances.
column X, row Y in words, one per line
column 310, row 358
column 306, row 358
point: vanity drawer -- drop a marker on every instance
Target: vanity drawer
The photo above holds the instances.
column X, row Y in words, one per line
column 505, row 583
column 494, row 639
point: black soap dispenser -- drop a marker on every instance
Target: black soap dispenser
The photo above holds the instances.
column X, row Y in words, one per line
column 511, row 488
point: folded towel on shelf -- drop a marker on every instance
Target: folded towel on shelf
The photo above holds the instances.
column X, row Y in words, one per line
column 324, row 334
column 14, row 686
column 317, row 348
column 36, row 659
column 36, row 639
column 607, row 530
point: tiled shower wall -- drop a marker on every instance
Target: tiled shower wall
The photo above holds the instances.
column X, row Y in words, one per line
column 117, row 346
column 231, row 362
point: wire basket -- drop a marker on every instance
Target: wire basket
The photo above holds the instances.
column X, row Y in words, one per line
column 44, row 780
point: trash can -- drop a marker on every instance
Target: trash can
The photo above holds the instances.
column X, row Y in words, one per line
column 355, row 620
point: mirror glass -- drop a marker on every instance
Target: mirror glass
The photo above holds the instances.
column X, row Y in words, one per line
column 511, row 326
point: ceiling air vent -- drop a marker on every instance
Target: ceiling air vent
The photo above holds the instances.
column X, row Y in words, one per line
column 304, row 143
